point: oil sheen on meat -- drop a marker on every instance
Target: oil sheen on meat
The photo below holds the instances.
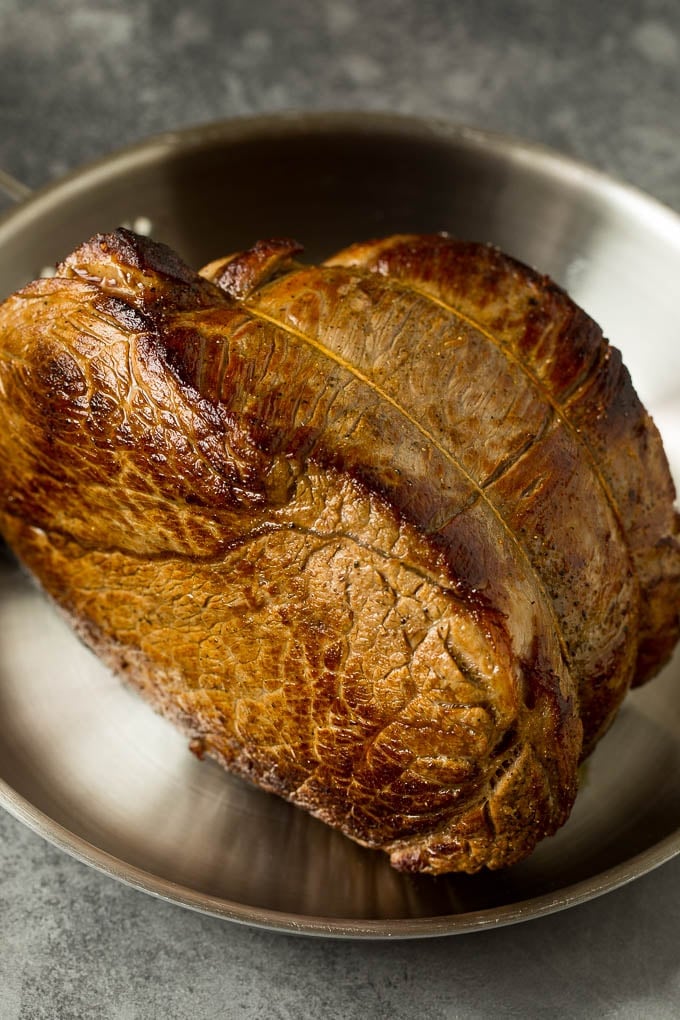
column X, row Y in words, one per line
column 390, row 536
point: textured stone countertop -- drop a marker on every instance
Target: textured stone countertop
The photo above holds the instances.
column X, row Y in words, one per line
column 599, row 81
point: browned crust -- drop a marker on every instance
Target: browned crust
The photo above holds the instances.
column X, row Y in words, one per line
column 446, row 776
column 246, row 502
column 564, row 352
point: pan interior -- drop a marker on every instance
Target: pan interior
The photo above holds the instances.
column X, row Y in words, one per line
column 85, row 762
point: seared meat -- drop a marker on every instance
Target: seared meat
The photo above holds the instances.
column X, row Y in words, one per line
column 390, row 536
column 583, row 379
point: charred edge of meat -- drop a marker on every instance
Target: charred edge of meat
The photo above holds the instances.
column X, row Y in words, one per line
column 239, row 275
column 144, row 254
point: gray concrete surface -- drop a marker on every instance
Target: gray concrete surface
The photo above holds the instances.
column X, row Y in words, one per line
column 599, row 81
column 75, row 944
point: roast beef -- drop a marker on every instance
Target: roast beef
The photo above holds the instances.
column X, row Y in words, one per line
column 390, row 536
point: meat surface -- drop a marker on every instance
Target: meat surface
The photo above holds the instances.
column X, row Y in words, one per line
column 391, row 536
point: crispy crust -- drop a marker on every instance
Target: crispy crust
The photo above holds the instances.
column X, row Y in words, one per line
column 283, row 502
column 580, row 375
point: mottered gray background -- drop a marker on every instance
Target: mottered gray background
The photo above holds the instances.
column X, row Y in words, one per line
column 599, row 81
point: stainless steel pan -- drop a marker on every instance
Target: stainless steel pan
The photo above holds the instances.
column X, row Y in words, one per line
column 88, row 766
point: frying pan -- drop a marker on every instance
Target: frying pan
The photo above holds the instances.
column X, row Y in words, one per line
column 84, row 763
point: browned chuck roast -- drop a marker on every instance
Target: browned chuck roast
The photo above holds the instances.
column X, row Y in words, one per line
column 390, row 536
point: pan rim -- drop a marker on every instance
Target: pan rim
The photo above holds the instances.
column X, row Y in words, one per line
column 320, row 122
column 238, row 129
column 333, row 927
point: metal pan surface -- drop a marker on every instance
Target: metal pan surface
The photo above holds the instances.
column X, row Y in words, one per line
column 92, row 769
